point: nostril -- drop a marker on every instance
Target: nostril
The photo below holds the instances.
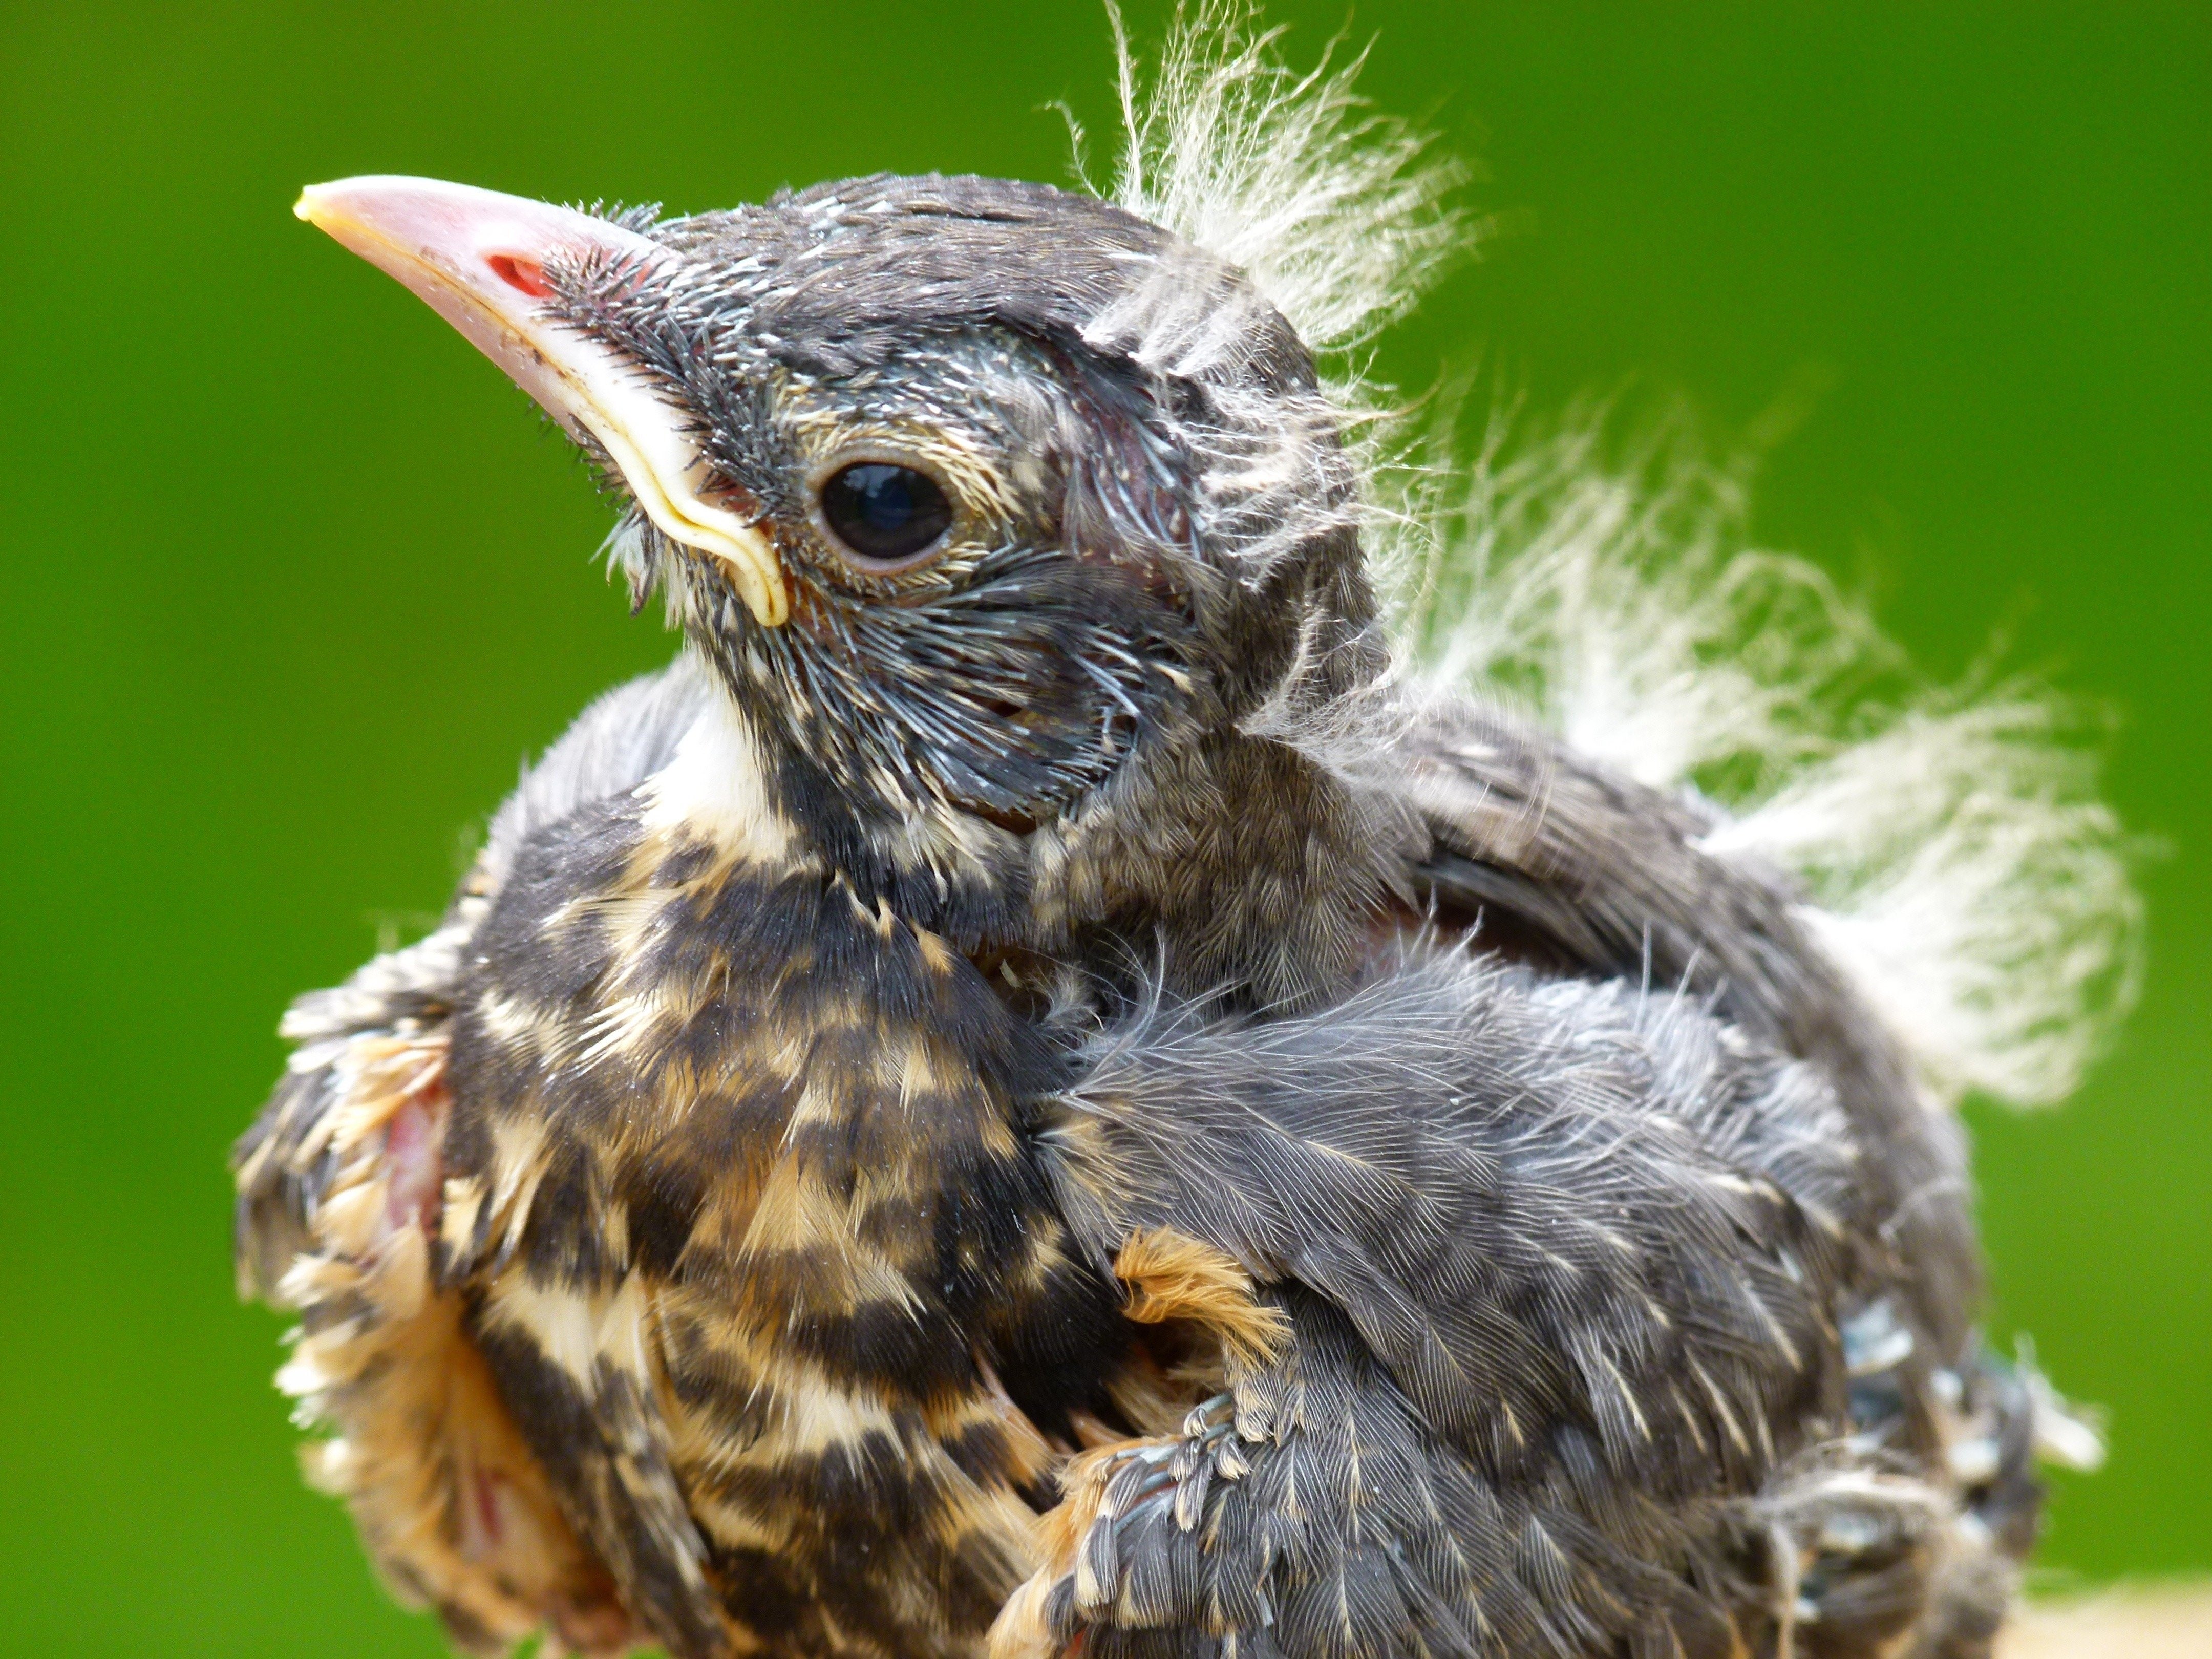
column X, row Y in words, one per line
column 524, row 275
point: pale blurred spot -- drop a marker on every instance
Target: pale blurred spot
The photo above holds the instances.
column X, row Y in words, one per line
column 2149, row 1622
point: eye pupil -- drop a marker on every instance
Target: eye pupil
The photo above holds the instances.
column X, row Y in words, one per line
column 885, row 512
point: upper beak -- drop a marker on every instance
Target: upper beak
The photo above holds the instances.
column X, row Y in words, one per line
column 479, row 257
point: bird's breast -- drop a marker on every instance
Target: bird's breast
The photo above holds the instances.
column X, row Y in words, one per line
column 731, row 1143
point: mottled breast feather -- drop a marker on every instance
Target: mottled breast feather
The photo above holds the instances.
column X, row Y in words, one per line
column 765, row 1256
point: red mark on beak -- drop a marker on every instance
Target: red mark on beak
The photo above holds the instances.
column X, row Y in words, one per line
column 524, row 275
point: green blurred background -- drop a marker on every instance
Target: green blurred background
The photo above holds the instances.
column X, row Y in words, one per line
column 292, row 580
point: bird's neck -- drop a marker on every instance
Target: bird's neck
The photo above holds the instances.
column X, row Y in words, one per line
column 1236, row 865
column 718, row 792
column 1233, row 863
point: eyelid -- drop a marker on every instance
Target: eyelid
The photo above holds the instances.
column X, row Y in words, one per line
column 881, row 454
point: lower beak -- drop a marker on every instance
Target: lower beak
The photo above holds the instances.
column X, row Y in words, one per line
column 479, row 257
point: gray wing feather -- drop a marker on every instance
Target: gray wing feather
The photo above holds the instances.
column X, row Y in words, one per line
column 1614, row 876
column 1560, row 1259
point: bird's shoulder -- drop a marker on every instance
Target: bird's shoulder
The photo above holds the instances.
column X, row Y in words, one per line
column 401, row 1001
column 1483, row 1169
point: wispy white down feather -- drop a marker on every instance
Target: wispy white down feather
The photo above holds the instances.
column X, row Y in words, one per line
column 1607, row 596
column 1338, row 218
column 1959, row 865
column 1973, row 886
column 1964, row 872
column 1339, row 215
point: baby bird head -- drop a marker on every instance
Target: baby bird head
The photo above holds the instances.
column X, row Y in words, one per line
column 989, row 503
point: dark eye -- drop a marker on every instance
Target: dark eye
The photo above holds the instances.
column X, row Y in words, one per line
column 885, row 512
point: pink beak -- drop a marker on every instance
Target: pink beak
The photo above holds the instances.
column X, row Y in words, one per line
column 477, row 258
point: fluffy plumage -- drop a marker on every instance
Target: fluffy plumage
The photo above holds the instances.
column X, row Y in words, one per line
column 1951, row 849
column 1111, row 1088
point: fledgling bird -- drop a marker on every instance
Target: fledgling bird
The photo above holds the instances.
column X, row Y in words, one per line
column 1077, row 1076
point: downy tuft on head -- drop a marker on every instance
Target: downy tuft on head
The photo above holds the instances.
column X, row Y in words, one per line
column 1957, row 862
column 1340, row 216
